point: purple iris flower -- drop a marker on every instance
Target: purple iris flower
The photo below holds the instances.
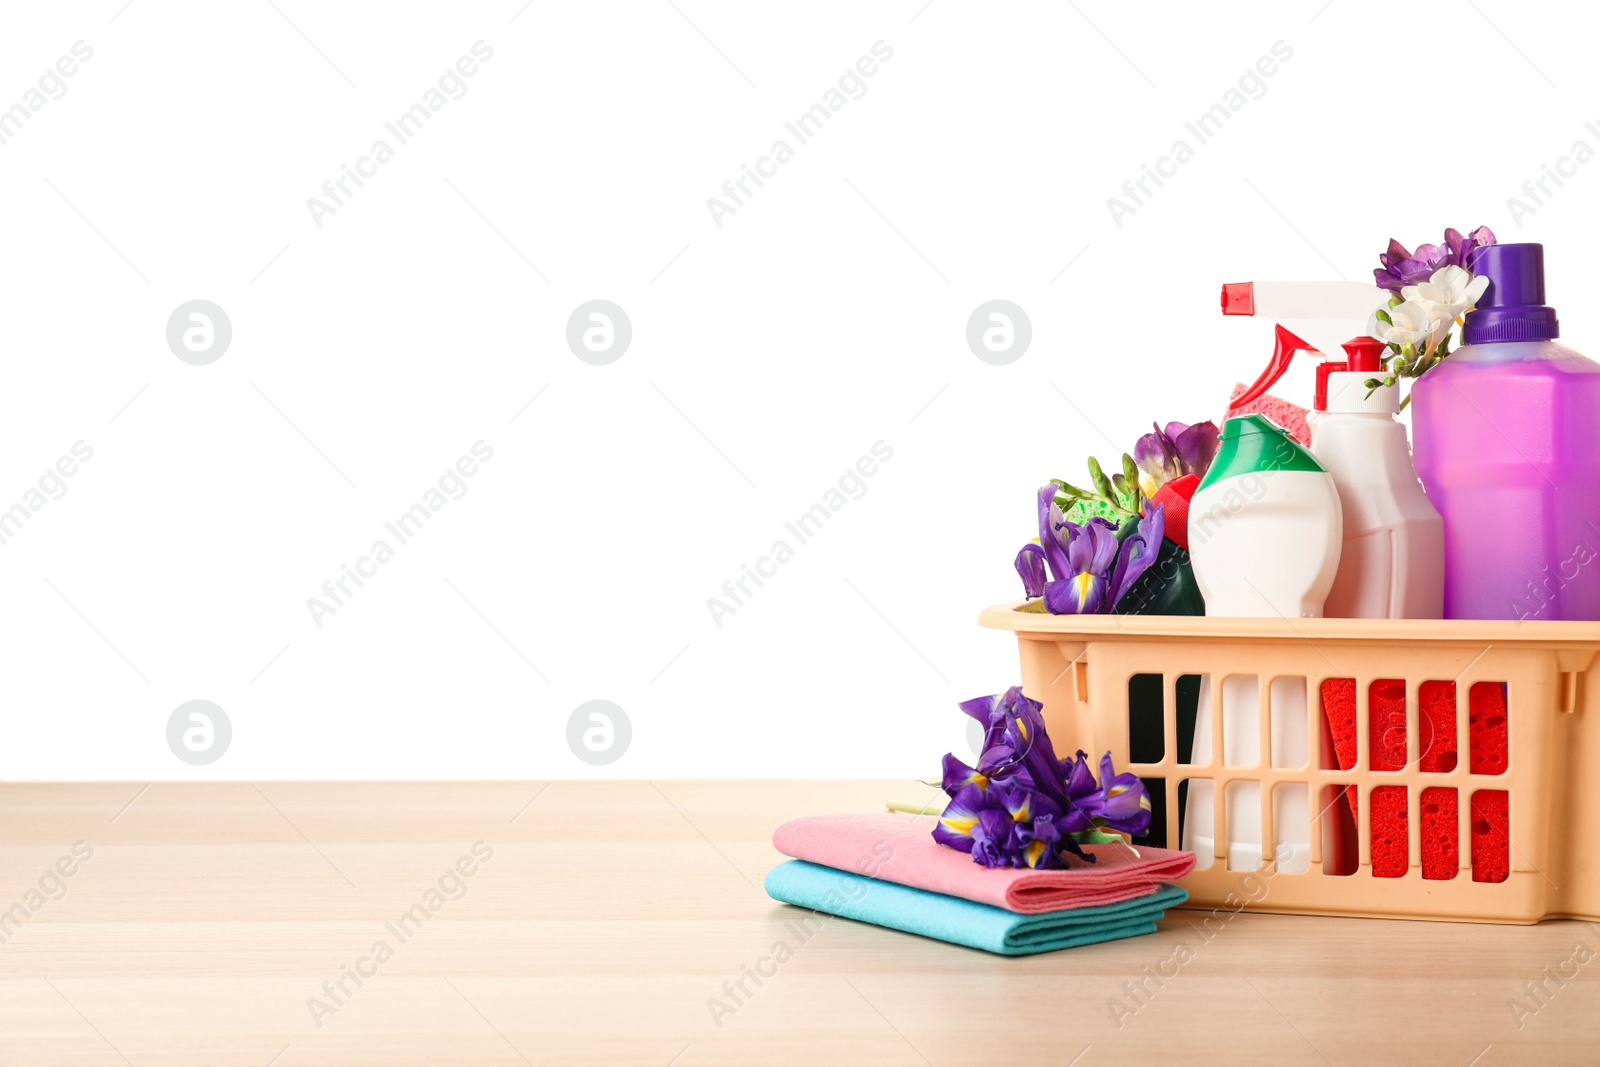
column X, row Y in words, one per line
column 1052, row 542
column 1124, row 800
column 1037, row 840
column 960, row 817
column 957, row 775
column 1017, row 749
column 1021, row 807
column 1139, row 550
column 1030, row 565
column 1090, row 569
column 1091, row 551
column 1175, row 451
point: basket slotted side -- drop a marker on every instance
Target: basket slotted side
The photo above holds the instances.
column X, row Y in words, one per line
column 1080, row 667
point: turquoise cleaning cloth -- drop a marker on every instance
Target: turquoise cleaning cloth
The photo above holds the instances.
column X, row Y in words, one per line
column 962, row 922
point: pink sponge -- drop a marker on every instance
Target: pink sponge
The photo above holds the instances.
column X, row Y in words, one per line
column 1291, row 417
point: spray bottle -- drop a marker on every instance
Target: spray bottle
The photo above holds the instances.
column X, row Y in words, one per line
column 1347, row 532
column 1391, row 564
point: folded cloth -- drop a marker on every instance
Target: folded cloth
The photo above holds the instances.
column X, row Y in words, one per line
column 901, row 848
column 961, row 922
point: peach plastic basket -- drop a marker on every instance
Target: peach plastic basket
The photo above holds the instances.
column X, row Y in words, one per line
column 1081, row 667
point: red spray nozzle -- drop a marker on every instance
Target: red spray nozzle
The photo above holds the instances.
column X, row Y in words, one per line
column 1239, row 298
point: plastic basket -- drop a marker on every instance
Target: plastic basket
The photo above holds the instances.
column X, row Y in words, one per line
column 1084, row 668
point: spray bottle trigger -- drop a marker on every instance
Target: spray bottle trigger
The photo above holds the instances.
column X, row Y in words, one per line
column 1324, row 369
column 1285, row 346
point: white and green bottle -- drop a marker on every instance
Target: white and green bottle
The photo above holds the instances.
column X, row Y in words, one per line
column 1265, row 533
column 1265, row 526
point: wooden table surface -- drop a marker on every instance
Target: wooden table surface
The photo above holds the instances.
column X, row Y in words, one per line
column 181, row 924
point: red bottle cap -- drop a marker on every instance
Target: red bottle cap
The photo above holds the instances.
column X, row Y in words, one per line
column 1174, row 499
column 1366, row 354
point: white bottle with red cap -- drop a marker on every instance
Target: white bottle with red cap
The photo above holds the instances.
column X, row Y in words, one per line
column 1392, row 563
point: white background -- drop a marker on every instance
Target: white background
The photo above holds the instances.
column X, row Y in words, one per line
column 768, row 354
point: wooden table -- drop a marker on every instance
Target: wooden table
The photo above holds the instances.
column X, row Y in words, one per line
column 604, row 923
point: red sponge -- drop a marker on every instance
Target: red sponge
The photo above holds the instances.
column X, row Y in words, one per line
column 1339, row 711
column 1390, row 842
column 1441, row 851
column 1491, row 841
column 1386, row 719
column 1486, row 707
column 1440, row 748
column 1339, row 705
column 1438, row 725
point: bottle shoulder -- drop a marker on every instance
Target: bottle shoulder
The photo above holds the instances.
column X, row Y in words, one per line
column 1519, row 352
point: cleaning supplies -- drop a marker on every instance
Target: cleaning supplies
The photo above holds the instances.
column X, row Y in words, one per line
column 1391, row 565
column 901, row 849
column 1392, row 562
column 1507, row 434
column 888, row 870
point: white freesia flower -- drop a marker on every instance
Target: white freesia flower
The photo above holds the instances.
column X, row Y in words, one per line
column 1450, row 293
column 1409, row 324
column 1450, row 286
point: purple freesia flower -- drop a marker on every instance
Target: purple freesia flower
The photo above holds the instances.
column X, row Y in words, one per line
column 1401, row 268
column 1021, row 807
column 1173, row 452
column 1462, row 248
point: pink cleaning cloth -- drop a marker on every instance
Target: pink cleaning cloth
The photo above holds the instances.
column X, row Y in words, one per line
column 901, row 848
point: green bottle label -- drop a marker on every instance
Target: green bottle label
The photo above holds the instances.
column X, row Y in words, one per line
column 1253, row 443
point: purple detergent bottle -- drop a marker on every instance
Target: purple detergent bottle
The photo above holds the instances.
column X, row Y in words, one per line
column 1507, row 443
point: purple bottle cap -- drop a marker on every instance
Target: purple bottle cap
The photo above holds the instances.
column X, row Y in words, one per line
column 1512, row 308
